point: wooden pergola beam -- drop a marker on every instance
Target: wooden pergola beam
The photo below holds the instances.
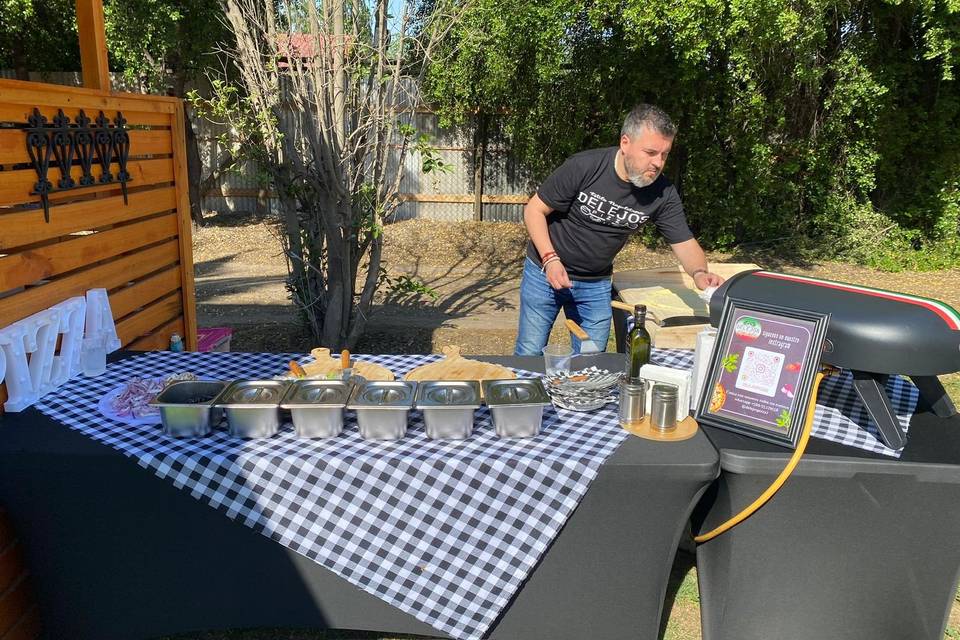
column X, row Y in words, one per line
column 93, row 44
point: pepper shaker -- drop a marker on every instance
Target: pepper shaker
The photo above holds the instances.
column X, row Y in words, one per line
column 663, row 407
column 633, row 401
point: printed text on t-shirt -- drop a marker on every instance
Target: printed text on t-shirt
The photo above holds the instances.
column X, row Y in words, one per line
column 599, row 209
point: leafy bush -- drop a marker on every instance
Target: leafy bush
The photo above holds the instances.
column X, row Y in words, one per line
column 822, row 121
column 874, row 240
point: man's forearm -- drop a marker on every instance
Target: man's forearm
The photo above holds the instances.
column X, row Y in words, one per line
column 694, row 262
column 691, row 256
column 536, row 224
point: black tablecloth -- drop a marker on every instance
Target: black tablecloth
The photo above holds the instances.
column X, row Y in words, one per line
column 854, row 546
column 118, row 553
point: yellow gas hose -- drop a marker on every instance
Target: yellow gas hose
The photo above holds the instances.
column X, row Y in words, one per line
column 782, row 478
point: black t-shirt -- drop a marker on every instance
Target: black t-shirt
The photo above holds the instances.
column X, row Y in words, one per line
column 596, row 212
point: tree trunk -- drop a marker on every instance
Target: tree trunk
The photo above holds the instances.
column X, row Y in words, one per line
column 19, row 58
column 340, row 284
column 366, row 294
column 340, row 77
column 194, row 169
column 479, row 155
column 194, row 164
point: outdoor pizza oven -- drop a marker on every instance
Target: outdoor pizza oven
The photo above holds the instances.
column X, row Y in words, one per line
column 873, row 333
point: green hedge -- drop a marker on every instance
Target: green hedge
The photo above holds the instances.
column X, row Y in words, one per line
column 824, row 126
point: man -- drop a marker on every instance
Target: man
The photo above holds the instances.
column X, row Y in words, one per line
column 584, row 213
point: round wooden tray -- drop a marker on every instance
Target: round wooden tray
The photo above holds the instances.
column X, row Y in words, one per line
column 685, row 430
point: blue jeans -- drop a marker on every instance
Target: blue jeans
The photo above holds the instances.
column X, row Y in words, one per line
column 587, row 303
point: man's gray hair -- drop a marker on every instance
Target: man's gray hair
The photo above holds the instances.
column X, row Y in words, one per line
column 648, row 115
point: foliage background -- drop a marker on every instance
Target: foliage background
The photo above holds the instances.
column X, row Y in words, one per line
column 827, row 128
column 155, row 43
column 818, row 126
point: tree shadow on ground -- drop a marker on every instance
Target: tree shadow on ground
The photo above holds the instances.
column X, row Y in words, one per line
column 771, row 257
column 211, row 267
column 465, row 287
column 235, row 219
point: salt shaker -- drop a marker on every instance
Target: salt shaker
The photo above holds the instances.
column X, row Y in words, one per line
column 633, row 401
column 663, row 407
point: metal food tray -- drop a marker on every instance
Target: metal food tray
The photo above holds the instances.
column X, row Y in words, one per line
column 316, row 407
column 187, row 408
column 516, row 406
column 253, row 407
column 448, row 407
column 382, row 408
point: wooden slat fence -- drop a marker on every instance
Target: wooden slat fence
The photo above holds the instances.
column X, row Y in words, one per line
column 140, row 251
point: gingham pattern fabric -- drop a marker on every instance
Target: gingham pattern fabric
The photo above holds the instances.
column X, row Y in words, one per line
column 444, row 530
column 840, row 416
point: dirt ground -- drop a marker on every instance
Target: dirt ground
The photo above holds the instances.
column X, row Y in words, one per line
column 474, row 268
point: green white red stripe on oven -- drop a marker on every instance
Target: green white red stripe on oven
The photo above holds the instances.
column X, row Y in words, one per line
column 947, row 313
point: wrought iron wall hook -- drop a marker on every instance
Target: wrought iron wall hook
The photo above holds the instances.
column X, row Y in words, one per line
column 121, row 148
column 103, row 141
column 85, row 149
column 38, row 148
column 63, row 144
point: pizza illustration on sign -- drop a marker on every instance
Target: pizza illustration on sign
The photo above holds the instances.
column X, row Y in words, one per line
column 718, row 399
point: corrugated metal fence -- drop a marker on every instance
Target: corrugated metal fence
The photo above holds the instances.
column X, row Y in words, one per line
column 440, row 196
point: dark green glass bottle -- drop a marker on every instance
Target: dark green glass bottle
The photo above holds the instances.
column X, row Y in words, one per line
column 638, row 343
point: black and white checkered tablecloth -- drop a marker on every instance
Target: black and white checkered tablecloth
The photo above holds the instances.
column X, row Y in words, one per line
column 444, row 530
column 840, row 415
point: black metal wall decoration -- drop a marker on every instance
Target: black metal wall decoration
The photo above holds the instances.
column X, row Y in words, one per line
column 121, row 148
column 62, row 145
column 103, row 141
column 84, row 140
column 38, row 147
column 65, row 143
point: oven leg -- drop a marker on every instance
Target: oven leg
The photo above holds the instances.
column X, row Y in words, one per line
column 870, row 388
column 936, row 396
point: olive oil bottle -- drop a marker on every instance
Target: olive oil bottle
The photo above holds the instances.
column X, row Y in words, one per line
column 638, row 343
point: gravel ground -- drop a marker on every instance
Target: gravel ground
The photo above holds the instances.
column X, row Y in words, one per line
column 252, row 248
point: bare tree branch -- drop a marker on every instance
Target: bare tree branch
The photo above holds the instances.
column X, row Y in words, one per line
column 323, row 90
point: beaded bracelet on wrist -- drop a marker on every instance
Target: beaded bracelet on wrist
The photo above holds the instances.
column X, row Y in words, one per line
column 543, row 268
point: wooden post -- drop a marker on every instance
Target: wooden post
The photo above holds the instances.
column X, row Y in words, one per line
column 93, row 44
column 479, row 151
column 185, row 221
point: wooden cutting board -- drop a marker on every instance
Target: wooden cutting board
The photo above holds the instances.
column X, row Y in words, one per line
column 668, row 292
column 456, row 367
column 323, row 365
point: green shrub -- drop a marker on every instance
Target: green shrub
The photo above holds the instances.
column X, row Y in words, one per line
column 830, row 126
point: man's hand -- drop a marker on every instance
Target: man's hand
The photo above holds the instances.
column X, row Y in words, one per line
column 694, row 262
column 704, row 279
column 557, row 275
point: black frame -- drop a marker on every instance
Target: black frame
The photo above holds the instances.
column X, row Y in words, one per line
column 811, row 362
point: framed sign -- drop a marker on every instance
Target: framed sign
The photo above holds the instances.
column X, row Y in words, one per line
column 762, row 369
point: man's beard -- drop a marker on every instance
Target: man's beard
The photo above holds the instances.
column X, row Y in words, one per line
column 637, row 178
column 641, row 180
